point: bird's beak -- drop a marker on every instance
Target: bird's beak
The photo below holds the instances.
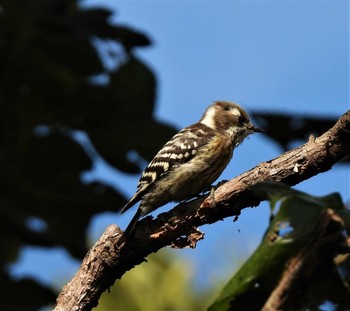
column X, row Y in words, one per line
column 257, row 130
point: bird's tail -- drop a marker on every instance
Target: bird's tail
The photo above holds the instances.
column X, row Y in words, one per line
column 136, row 197
column 131, row 226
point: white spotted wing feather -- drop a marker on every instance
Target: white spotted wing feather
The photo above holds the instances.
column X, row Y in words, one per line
column 177, row 151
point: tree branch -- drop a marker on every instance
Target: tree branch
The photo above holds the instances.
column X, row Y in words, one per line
column 320, row 248
column 105, row 262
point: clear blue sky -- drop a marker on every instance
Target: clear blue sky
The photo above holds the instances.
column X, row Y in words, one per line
column 286, row 56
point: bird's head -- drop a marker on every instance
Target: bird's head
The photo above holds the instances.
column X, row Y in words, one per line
column 229, row 118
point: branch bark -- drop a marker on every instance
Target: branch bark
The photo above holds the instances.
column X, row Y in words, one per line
column 105, row 262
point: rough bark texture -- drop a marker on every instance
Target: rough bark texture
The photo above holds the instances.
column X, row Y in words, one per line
column 105, row 262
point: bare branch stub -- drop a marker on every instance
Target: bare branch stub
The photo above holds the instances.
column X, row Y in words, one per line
column 82, row 292
column 312, row 158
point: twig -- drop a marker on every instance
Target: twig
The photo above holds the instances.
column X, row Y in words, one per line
column 325, row 239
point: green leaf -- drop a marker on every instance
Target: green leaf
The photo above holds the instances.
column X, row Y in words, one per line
column 287, row 235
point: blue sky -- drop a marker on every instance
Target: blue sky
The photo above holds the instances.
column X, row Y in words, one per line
column 285, row 56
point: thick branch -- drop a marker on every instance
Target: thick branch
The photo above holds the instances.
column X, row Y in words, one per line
column 105, row 262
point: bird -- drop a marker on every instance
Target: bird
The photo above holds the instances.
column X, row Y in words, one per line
column 191, row 160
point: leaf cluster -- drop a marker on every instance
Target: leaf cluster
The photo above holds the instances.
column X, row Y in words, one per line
column 303, row 260
column 50, row 93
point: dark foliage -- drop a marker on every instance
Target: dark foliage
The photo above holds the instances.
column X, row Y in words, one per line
column 286, row 129
column 47, row 93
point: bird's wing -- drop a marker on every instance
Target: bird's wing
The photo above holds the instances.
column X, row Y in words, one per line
column 178, row 150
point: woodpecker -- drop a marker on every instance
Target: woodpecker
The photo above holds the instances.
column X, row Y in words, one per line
column 192, row 160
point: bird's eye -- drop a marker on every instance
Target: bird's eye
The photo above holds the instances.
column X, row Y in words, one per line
column 226, row 108
column 242, row 119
